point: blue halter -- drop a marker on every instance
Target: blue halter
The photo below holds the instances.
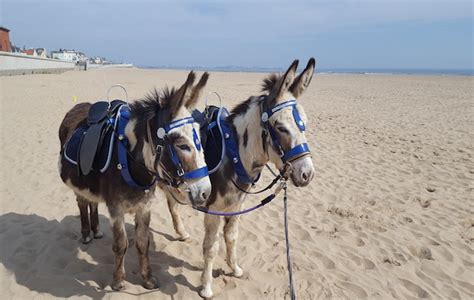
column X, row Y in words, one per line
column 124, row 116
column 162, row 133
column 295, row 152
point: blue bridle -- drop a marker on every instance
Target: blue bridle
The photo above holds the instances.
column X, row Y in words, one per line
column 298, row 150
column 162, row 132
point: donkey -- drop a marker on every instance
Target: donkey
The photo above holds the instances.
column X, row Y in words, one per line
column 268, row 128
column 172, row 155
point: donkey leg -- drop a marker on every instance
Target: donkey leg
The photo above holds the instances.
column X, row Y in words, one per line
column 83, row 204
column 177, row 221
column 119, row 247
column 210, row 251
column 231, row 232
column 142, row 230
column 94, row 214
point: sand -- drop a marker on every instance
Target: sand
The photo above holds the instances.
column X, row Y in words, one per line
column 389, row 214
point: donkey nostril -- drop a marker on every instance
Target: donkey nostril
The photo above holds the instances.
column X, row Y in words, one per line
column 304, row 176
column 204, row 196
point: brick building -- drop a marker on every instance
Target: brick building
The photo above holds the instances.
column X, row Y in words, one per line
column 5, row 40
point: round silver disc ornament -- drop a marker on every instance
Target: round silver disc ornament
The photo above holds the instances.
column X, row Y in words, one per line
column 161, row 133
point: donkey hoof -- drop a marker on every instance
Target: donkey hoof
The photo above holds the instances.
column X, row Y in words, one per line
column 206, row 293
column 117, row 285
column 238, row 272
column 150, row 283
column 98, row 235
column 86, row 239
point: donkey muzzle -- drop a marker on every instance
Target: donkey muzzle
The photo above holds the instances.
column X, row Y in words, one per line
column 200, row 191
column 302, row 171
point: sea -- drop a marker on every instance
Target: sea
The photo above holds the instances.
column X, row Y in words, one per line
column 441, row 72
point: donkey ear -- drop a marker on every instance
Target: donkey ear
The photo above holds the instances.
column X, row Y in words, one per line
column 179, row 97
column 285, row 81
column 303, row 80
column 197, row 91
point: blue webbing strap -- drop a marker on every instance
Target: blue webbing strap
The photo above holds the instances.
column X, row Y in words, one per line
column 124, row 115
column 196, row 174
column 296, row 151
column 232, row 151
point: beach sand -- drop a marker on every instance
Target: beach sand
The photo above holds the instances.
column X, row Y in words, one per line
column 389, row 213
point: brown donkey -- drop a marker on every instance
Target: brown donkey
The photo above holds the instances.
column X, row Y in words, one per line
column 266, row 128
column 172, row 154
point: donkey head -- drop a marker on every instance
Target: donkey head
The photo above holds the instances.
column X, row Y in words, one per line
column 177, row 137
column 285, row 121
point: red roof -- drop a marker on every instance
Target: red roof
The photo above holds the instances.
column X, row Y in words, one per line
column 29, row 51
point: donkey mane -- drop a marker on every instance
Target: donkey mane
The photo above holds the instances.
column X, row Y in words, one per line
column 267, row 86
column 241, row 108
column 269, row 82
column 147, row 107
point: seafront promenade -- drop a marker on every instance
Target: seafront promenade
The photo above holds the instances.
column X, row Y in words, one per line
column 19, row 64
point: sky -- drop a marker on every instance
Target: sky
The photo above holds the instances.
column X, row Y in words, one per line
column 414, row 34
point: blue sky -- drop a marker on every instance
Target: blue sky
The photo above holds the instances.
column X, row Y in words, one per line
column 434, row 34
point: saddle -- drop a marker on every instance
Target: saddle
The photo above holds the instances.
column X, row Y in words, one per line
column 90, row 147
column 219, row 140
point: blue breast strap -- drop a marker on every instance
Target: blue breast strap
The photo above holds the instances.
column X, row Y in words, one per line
column 124, row 116
column 232, row 152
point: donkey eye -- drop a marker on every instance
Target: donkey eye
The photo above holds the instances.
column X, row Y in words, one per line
column 184, row 147
column 283, row 130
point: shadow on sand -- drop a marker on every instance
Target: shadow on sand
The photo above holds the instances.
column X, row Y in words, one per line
column 46, row 256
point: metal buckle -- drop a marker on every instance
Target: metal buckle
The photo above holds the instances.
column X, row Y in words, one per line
column 159, row 151
column 180, row 171
column 280, row 149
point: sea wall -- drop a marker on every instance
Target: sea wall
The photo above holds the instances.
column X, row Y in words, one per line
column 98, row 66
column 20, row 64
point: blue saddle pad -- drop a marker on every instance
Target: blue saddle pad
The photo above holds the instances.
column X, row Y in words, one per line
column 103, row 155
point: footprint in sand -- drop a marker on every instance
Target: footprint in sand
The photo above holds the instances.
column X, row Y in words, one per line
column 425, row 253
column 326, row 261
column 415, row 289
column 390, row 260
column 354, row 291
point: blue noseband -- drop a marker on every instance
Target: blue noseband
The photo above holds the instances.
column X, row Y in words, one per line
column 295, row 152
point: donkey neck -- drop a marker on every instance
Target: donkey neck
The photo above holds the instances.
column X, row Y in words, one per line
column 140, row 151
column 249, row 132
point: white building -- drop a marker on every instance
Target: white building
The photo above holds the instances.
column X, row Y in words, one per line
column 66, row 55
column 41, row 52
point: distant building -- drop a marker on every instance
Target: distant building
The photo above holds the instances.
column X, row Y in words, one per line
column 81, row 57
column 66, row 55
column 37, row 52
column 41, row 52
column 97, row 60
column 15, row 49
column 5, row 44
column 31, row 52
